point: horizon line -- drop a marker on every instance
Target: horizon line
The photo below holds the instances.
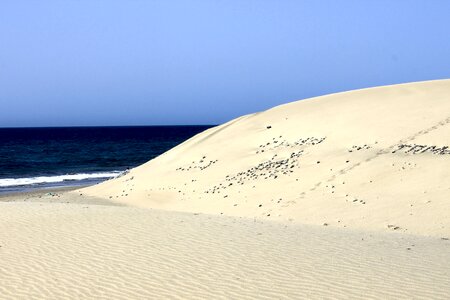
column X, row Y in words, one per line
column 103, row 126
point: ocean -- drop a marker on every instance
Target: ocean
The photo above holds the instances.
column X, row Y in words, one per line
column 39, row 158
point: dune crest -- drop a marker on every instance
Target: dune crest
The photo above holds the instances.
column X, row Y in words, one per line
column 375, row 159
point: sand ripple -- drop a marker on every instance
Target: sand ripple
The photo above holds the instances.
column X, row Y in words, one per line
column 58, row 251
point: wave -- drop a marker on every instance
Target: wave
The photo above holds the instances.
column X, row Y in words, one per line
column 10, row 182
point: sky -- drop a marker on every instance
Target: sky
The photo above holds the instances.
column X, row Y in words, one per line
column 130, row 62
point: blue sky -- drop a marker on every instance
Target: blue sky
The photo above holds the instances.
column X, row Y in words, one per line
column 130, row 62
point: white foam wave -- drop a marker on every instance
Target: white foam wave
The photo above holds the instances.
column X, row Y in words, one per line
column 9, row 182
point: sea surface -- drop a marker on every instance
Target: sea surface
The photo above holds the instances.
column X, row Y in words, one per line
column 32, row 158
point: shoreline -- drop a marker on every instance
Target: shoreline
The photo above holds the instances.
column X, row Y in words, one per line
column 41, row 191
column 55, row 195
column 27, row 187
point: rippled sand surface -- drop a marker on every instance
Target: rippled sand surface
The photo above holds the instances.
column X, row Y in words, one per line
column 73, row 251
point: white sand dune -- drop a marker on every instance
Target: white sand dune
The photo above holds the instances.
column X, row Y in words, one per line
column 79, row 251
column 373, row 159
column 345, row 196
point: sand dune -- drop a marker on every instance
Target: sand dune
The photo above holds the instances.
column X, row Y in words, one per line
column 81, row 251
column 374, row 159
column 343, row 196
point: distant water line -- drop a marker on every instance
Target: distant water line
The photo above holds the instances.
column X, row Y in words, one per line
column 64, row 156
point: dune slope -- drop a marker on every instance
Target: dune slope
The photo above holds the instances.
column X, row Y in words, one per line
column 373, row 159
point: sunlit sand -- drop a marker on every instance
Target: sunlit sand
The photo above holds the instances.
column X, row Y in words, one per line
column 340, row 196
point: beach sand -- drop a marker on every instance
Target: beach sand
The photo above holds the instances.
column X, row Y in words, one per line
column 68, row 250
column 337, row 197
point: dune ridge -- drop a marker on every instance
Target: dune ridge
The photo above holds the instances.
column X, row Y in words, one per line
column 374, row 159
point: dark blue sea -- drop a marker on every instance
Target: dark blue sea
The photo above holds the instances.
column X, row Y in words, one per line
column 33, row 158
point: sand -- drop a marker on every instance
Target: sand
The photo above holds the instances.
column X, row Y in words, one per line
column 326, row 198
column 372, row 159
column 80, row 251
